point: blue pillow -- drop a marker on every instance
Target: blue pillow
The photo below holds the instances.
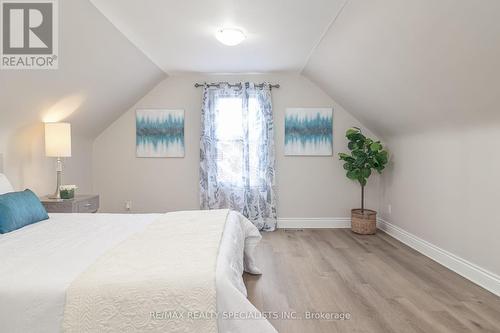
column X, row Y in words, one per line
column 18, row 209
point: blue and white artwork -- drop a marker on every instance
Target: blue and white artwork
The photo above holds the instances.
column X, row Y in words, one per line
column 160, row 133
column 309, row 131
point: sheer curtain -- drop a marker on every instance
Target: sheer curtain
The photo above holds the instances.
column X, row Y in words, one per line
column 237, row 152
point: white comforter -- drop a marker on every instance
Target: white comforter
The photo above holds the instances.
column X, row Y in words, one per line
column 40, row 261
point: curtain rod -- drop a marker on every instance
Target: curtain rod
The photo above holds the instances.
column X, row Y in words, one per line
column 236, row 85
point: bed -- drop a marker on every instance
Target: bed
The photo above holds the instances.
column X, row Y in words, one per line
column 43, row 262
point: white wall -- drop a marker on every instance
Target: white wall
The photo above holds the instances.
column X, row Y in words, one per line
column 27, row 166
column 444, row 187
column 307, row 186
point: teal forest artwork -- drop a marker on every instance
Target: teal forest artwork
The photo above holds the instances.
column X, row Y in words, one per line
column 309, row 131
column 160, row 133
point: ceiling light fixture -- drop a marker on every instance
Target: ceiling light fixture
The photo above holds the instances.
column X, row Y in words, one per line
column 230, row 36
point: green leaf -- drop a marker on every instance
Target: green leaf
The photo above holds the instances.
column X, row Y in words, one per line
column 357, row 137
column 360, row 163
column 365, row 173
column 352, row 131
column 358, row 153
column 376, row 146
column 362, row 181
column 354, row 134
column 381, row 157
column 344, row 156
column 353, row 174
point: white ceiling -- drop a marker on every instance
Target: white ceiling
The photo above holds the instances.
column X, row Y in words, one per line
column 414, row 65
column 178, row 35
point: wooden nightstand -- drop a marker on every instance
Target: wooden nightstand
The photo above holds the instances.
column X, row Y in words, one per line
column 80, row 204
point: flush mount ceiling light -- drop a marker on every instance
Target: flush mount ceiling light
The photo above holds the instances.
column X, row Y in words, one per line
column 230, row 36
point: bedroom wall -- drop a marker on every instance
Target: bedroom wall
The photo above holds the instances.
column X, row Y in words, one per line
column 443, row 187
column 307, row 186
column 26, row 165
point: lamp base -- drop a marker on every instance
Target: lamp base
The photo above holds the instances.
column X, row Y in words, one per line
column 57, row 193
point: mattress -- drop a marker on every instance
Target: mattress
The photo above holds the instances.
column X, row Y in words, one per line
column 40, row 261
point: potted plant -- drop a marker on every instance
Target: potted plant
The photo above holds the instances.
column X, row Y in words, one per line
column 67, row 191
column 366, row 154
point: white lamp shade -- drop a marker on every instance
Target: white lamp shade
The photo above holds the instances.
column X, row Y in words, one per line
column 58, row 139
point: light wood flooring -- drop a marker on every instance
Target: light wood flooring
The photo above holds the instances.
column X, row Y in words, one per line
column 384, row 285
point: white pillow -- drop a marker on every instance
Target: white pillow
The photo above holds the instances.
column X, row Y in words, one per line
column 5, row 186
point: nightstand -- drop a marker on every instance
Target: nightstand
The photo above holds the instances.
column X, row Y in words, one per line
column 79, row 204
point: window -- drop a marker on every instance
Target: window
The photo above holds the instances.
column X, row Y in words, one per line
column 230, row 142
column 237, row 152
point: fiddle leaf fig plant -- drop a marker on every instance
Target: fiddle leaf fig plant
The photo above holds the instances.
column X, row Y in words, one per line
column 366, row 155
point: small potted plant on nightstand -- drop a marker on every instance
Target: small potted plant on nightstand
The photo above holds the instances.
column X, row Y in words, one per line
column 366, row 155
column 67, row 191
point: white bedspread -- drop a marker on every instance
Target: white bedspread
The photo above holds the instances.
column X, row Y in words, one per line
column 160, row 279
column 40, row 261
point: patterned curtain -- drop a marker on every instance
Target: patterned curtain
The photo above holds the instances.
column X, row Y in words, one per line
column 237, row 152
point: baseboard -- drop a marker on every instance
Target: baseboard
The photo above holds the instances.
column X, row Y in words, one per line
column 470, row 271
column 313, row 222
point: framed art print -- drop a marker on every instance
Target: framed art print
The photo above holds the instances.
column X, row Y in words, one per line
column 309, row 131
column 159, row 133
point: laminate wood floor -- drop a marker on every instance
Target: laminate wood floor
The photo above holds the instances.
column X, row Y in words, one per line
column 381, row 283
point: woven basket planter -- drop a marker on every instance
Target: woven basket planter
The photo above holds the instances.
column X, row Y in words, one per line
column 364, row 222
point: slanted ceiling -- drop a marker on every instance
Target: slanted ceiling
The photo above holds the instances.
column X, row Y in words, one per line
column 101, row 74
column 413, row 66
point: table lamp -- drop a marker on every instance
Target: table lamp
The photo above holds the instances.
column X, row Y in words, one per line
column 58, row 144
